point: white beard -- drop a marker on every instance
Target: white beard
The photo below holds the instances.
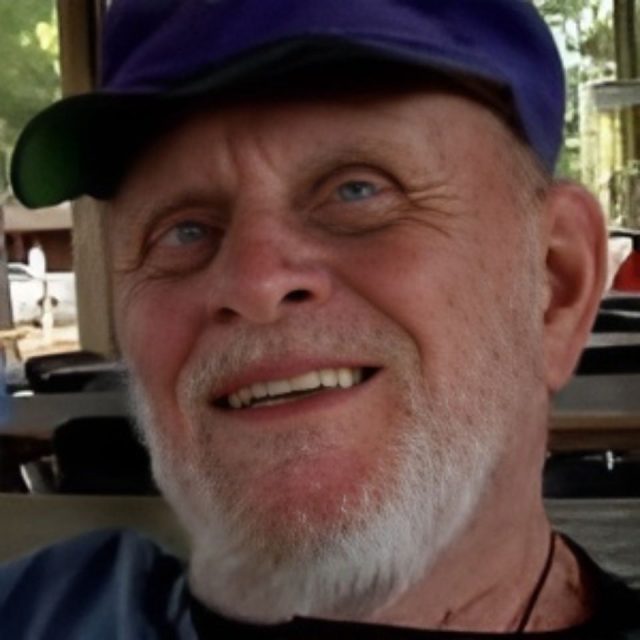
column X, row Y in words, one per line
column 447, row 447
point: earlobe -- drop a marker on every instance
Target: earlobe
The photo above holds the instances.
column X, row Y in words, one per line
column 576, row 244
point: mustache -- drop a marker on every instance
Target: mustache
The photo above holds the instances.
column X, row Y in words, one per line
column 211, row 368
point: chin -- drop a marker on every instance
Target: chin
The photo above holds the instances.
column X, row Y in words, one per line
column 248, row 565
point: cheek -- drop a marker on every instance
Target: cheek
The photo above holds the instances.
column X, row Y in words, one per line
column 421, row 288
column 445, row 294
column 157, row 327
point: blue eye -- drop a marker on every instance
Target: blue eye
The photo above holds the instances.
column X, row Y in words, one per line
column 185, row 233
column 357, row 190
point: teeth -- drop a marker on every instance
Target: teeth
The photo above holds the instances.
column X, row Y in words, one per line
column 328, row 378
column 245, row 396
column 345, row 378
column 342, row 378
column 259, row 390
column 277, row 388
column 306, row 382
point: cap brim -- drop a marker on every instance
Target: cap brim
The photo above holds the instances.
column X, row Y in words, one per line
column 82, row 145
column 76, row 146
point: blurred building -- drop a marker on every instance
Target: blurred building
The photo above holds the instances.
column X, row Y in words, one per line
column 51, row 227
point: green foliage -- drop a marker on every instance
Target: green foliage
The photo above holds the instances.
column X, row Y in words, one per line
column 29, row 69
column 585, row 28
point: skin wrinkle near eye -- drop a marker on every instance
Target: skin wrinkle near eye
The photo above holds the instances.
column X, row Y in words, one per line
column 424, row 208
column 320, row 180
column 359, row 220
column 198, row 208
column 155, row 272
column 439, row 200
column 412, row 194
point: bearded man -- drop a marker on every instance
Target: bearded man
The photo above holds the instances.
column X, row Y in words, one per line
column 346, row 286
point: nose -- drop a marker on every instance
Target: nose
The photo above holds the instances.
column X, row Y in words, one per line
column 264, row 270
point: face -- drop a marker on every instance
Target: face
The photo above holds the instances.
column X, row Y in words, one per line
column 326, row 308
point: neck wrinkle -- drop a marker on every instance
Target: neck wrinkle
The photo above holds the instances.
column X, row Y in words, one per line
column 485, row 580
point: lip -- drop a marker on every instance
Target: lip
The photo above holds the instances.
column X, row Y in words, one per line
column 326, row 400
column 266, row 372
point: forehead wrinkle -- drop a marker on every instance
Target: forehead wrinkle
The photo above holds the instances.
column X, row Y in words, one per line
column 382, row 122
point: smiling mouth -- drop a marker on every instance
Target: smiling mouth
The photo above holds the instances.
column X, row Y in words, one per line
column 274, row 392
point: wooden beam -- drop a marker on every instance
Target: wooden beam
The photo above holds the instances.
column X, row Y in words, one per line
column 594, row 431
column 628, row 68
column 79, row 23
column 6, row 321
column 626, row 43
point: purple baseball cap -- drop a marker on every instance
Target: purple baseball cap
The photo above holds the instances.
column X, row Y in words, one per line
column 160, row 54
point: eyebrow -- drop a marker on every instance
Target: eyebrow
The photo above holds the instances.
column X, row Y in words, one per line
column 149, row 213
column 364, row 151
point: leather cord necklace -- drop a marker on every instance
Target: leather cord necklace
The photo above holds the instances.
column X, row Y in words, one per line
column 542, row 579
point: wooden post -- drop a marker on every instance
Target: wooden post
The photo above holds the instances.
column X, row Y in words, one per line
column 6, row 320
column 79, row 22
column 626, row 42
column 628, row 65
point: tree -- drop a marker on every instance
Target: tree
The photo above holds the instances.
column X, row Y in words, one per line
column 29, row 81
column 585, row 27
column 29, row 73
column 585, row 31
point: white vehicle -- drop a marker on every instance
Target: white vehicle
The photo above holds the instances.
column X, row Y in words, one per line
column 28, row 291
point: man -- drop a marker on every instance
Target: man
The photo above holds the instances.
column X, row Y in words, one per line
column 346, row 286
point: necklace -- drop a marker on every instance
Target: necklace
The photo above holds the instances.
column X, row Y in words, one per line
column 542, row 578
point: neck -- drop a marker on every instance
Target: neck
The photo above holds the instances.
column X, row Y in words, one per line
column 499, row 575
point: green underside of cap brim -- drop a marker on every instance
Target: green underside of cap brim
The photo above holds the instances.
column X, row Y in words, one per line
column 77, row 146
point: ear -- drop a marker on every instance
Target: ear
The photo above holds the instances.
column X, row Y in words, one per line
column 576, row 248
